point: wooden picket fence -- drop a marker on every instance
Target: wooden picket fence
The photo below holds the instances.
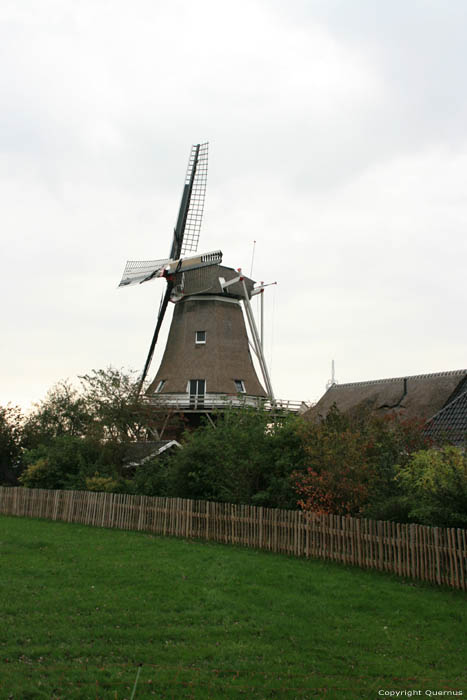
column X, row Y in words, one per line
column 438, row 555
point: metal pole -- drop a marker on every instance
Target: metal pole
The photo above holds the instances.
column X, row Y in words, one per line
column 252, row 258
column 262, row 317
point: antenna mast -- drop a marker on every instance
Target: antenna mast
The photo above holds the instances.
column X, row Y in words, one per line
column 252, row 258
column 333, row 381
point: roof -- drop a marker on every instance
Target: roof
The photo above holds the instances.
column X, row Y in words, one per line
column 450, row 422
column 417, row 396
column 205, row 280
column 140, row 452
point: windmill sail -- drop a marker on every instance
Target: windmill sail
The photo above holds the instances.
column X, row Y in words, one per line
column 186, row 233
column 137, row 271
column 187, row 229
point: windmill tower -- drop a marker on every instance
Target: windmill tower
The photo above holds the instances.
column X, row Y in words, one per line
column 207, row 363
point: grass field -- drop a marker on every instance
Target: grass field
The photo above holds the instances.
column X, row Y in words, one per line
column 82, row 607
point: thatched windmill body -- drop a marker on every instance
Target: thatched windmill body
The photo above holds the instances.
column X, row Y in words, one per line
column 207, row 363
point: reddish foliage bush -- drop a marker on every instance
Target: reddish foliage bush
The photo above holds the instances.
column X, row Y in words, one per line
column 352, row 460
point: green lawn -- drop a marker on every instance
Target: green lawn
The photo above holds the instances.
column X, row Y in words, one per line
column 81, row 607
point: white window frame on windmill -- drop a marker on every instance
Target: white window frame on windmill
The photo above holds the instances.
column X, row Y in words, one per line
column 160, row 386
column 196, row 389
column 240, row 386
column 200, row 337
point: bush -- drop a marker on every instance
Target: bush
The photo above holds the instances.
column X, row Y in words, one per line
column 434, row 486
column 101, row 483
column 352, row 461
column 244, row 459
column 338, row 469
column 67, row 462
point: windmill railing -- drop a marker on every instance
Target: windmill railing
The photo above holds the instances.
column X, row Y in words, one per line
column 211, row 402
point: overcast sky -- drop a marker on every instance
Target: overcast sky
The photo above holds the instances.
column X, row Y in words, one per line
column 338, row 141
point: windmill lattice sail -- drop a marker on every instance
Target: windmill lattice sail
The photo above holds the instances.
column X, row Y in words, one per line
column 199, row 161
column 137, row 271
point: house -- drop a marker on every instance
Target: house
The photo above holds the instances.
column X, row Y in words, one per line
column 451, row 421
column 440, row 399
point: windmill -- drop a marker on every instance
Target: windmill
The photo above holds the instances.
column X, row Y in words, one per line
column 207, row 361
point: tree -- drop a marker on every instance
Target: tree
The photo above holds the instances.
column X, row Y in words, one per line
column 393, row 441
column 338, row 470
column 77, row 435
column 352, row 461
column 434, row 485
column 11, row 433
column 105, row 406
column 112, row 401
column 246, row 458
column 62, row 412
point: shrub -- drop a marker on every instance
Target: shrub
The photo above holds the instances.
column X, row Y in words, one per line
column 67, row 461
column 352, row 461
column 244, row 459
column 434, row 486
column 101, row 483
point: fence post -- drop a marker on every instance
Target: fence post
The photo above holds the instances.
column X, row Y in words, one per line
column 261, row 527
column 453, row 543
column 437, row 553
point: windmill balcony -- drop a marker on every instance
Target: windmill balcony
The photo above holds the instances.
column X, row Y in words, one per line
column 211, row 402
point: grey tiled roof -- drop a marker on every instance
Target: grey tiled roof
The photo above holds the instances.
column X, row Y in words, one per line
column 451, row 421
